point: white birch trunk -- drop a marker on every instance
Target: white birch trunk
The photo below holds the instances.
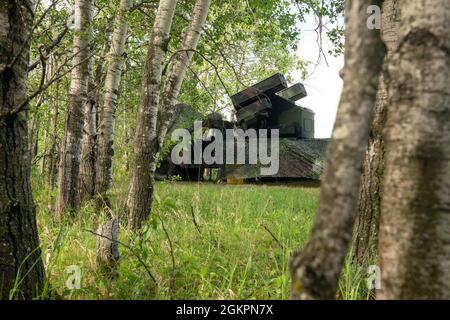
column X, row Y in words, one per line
column 69, row 167
column 88, row 144
column 177, row 71
column 105, row 142
column 141, row 187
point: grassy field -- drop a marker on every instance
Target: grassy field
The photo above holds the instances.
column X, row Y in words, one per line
column 237, row 248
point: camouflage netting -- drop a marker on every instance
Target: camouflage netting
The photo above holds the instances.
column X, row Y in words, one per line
column 185, row 118
column 298, row 158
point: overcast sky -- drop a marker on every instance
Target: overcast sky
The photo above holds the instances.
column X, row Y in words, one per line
column 324, row 86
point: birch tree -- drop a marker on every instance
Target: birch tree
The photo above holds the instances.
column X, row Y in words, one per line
column 69, row 167
column 139, row 201
column 53, row 152
column 181, row 62
column 88, row 142
column 146, row 155
column 315, row 272
column 371, row 191
column 415, row 219
column 20, row 255
column 89, row 152
column 105, row 143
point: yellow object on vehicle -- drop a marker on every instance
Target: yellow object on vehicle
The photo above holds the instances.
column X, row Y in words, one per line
column 235, row 181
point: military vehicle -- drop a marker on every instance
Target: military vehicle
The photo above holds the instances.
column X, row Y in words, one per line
column 269, row 104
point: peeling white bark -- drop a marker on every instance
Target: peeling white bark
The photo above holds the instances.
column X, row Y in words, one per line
column 140, row 193
column 105, row 143
column 69, row 167
column 160, row 114
column 178, row 68
column 88, row 144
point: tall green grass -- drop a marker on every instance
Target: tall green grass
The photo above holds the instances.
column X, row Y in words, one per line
column 238, row 247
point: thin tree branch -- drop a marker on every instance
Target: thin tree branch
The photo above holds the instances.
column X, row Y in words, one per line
column 56, row 41
column 204, row 58
column 42, row 88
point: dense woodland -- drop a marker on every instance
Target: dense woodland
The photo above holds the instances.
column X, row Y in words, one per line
column 89, row 89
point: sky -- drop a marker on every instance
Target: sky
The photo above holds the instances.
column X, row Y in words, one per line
column 324, row 85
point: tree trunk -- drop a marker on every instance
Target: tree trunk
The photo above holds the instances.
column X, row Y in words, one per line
column 315, row 272
column 88, row 144
column 69, row 167
column 104, row 165
column 20, row 255
column 34, row 135
column 141, row 187
column 415, row 212
column 53, row 152
column 48, row 119
column 172, row 87
column 107, row 248
column 127, row 140
column 43, row 158
column 88, row 171
column 178, row 69
column 365, row 243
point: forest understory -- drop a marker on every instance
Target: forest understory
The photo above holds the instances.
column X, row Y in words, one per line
column 238, row 247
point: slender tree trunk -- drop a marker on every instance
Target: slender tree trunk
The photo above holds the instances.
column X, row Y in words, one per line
column 88, row 172
column 171, row 91
column 20, row 255
column 415, row 216
column 88, row 144
column 127, row 141
column 53, row 152
column 181, row 62
column 99, row 80
column 45, row 156
column 104, row 165
column 69, row 167
column 315, row 272
column 141, row 187
column 370, row 193
column 34, row 135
